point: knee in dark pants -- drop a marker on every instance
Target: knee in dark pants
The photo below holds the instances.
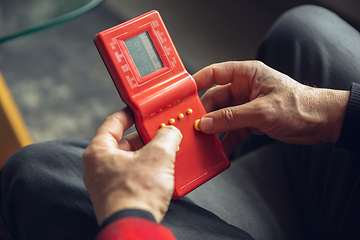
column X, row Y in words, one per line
column 29, row 161
column 42, row 193
column 299, row 24
column 313, row 46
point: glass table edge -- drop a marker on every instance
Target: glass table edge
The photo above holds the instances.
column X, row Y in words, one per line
column 62, row 19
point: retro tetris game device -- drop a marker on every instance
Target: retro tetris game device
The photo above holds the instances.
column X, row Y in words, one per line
column 151, row 79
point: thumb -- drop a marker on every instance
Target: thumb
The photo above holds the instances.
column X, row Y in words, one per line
column 251, row 114
column 166, row 140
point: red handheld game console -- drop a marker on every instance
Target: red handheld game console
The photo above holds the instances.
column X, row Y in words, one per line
column 151, row 79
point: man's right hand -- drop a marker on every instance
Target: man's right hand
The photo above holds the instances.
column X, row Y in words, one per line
column 120, row 173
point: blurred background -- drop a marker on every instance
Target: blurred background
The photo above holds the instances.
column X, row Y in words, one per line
column 62, row 87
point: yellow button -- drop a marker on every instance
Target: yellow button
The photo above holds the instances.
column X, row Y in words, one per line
column 162, row 125
column 189, row 111
column 172, row 121
column 196, row 125
column 178, row 149
column 181, row 116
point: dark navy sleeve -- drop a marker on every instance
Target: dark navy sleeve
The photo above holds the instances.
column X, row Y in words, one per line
column 127, row 213
column 350, row 132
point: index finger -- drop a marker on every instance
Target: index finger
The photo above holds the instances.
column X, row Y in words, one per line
column 111, row 130
column 224, row 73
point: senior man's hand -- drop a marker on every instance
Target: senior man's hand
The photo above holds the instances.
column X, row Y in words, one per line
column 121, row 173
column 250, row 97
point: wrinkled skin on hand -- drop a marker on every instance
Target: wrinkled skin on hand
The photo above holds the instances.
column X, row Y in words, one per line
column 251, row 98
column 121, row 173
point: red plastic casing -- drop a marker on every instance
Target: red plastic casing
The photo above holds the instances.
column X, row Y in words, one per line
column 163, row 95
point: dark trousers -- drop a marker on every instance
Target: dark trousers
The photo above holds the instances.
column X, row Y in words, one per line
column 317, row 48
column 43, row 196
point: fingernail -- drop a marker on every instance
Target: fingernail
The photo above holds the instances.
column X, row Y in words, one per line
column 207, row 124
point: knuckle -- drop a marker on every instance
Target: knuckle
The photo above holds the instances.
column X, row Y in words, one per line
column 87, row 154
column 91, row 156
column 259, row 63
column 228, row 115
column 271, row 113
column 264, row 111
column 213, row 65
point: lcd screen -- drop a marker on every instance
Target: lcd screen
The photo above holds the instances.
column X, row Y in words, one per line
column 144, row 54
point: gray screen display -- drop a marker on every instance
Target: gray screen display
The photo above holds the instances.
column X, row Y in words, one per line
column 144, row 54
